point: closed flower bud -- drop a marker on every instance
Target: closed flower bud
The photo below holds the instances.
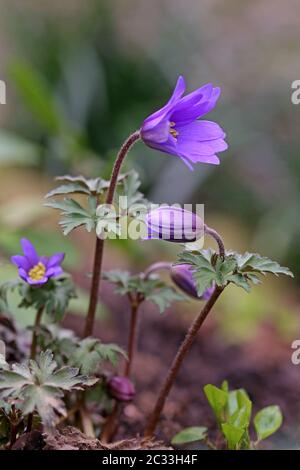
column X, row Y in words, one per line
column 121, row 388
column 174, row 224
column 182, row 276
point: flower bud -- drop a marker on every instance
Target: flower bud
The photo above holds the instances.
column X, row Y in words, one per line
column 121, row 388
column 182, row 276
column 174, row 224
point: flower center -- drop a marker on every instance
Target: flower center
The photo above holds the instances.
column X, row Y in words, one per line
column 37, row 272
column 173, row 132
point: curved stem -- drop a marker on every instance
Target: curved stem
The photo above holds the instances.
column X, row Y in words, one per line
column 34, row 334
column 214, row 234
column 96, row 277
column 157, row 267
column 132, row 338
column 177, row 361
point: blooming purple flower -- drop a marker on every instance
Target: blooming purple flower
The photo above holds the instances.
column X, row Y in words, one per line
column 182, row 276
column 174, row 224
column 34, row 269
column 176, row 130
column 121, row 388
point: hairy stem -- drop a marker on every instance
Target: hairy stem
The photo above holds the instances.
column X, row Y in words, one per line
column 214, row 234
column 177, row 361
column 96, row 277
column 132, row 338
column 37, row 323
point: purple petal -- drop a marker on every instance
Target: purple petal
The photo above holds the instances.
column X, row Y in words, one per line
column 54, row 271
column 44, row 260
column 55, row 260
column 21, row 262
column 33, row 282
column 177, row 93
column 156, row 132
column 201, row 130
column 195, row 105
column 29, row 251
column 23, row 274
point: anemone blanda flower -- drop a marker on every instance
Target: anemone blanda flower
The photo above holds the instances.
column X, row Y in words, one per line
column 37, row 270
column 182, row 276
column 176, row 130
column 174, row 224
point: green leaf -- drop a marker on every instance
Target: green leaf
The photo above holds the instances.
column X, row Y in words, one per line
column 241, row 270
column 232, row 434
column 39, row 386
column 107, row 221
column 81, row 185
column 204, row 273
column 73, row 215
column 240, row 281
column 217, row 399
column 239, row 409
column 54, row 297
column 90, row 354
column 164, row 297
column 250, row 262
column 267, row 421
column 151, row 288
column 191, row 434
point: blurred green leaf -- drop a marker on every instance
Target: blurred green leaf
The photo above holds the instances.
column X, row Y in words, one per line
column 36, row 95
column 233, row 435
column 217, row 399
column 267, row 421
column 191, row 434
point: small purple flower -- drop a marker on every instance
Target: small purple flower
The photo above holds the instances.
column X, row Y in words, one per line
column 176, row 130
column 121, row 388
column 182, row 276
column 174, row 224
column 34, row 269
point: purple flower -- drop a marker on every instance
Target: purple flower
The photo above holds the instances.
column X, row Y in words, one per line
column 121, row 388
column 182, row 276
column 176, row 130
column 174, row 224
column 34, row 269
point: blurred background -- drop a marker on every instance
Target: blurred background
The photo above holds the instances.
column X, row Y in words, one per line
column 81, row 75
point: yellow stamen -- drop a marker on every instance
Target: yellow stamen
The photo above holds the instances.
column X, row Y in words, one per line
column 173, row 131
column 37, row 272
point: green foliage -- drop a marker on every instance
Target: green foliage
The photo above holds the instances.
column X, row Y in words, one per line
column 40, row 386
column 136, row 203
column 100, row 217
column 90, row 354
column 239, row 269
column 233, row 409
column 74, row 215
column 54, row 296
column 267, row 421
column 81, row 185
column 191, row 434
column 142, row 288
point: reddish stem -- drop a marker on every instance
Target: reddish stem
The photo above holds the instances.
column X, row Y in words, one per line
column 132, row 338
column 96, row 277
column 177, row 361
